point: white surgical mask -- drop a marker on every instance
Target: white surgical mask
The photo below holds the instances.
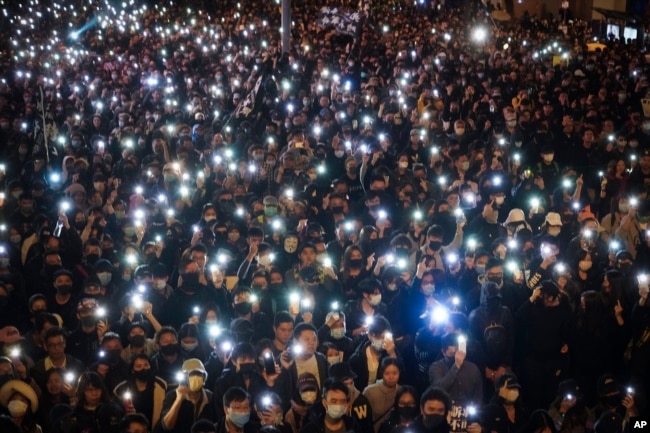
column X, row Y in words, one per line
column 337, row 333
column 554, row 231
column 374, row 300
column 308, row 397
column 17, row 408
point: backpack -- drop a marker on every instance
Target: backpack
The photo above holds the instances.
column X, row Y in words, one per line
column 496, row 339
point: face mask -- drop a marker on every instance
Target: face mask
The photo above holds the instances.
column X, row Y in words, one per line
column 335, row 411
column 403, row 164
column 511, row 395
column 378, row 345
column 428, row 289
column 554, row 231
column 91, row 259
column 391, row 287
column 104, row 278
column 355, row 263
column 243, row 308
column 432, row 421
column 612, row 400
column 270, row 211
column 17, row 408
column 113, row 356
column 247, row 369
column 623, row 207
column 15, row 239
column 137, row 340
column 339, row 153
column 119, row 214
column 435, row 245
column 584, row 265
column 160, row 284
column 374, row 300
column 209, row 218
column 308, row 397
column 239, row 419
column 191, row 279
column 4, row 263
column 88, row 321
column 143, row 375
column 407, row 412
column 465, row 166
column 338, row 333
column 264, row 260
column 480, row 269
column 169, row 350
column 497, row 281
column 64, row 289
column 189, row 347
column 195, row 383
column 233, row 237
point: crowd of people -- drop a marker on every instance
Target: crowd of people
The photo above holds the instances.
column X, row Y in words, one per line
column 437, row 223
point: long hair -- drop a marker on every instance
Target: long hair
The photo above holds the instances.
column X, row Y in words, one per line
column 90, row 379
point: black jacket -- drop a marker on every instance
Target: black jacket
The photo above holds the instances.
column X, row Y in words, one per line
column 318, row 426
column 359, row 364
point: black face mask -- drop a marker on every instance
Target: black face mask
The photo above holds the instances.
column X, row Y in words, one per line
column 432, row 421
column 64, row 289
column 356, row 263
column 435, row 245
column 497, row 281
column 407, row 412
column 91, row 259
column 191, row 279
column 337, row 210
column 88, row 321
column 243, row 308
column 113, row 356
column 170, row 349
column 143, row 375
column 612, row 400
column 247, row 369
column 51, row 269
column 137, row 340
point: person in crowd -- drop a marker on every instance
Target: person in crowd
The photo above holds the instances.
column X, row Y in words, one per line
column 381, row 394
column 20, row 400
column 142, row 392
column 190, row 401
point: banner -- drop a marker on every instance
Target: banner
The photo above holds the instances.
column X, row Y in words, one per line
column 344, row 22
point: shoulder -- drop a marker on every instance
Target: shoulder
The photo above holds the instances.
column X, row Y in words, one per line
column 159, row 382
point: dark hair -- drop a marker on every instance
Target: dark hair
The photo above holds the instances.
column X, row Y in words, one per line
column 235, row 393
column 188, row 330
column 137, row 356
column 164, row 330
column 110, row 336
column 387, row 362
column 137, row 418
column 301, row 327
column 90, row 378
column 539, row 420
column 438, row 394
column 335, row 385
column 244, row 350
column 281, row 317
column 42, row 318
column 379, row 325
column 54, row 331
column 405, row 389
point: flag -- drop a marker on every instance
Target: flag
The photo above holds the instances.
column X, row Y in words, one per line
column 344, row 22
column 251, row 101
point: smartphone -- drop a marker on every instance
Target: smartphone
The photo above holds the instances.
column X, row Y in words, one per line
column 269, row 363
column 462, row 343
